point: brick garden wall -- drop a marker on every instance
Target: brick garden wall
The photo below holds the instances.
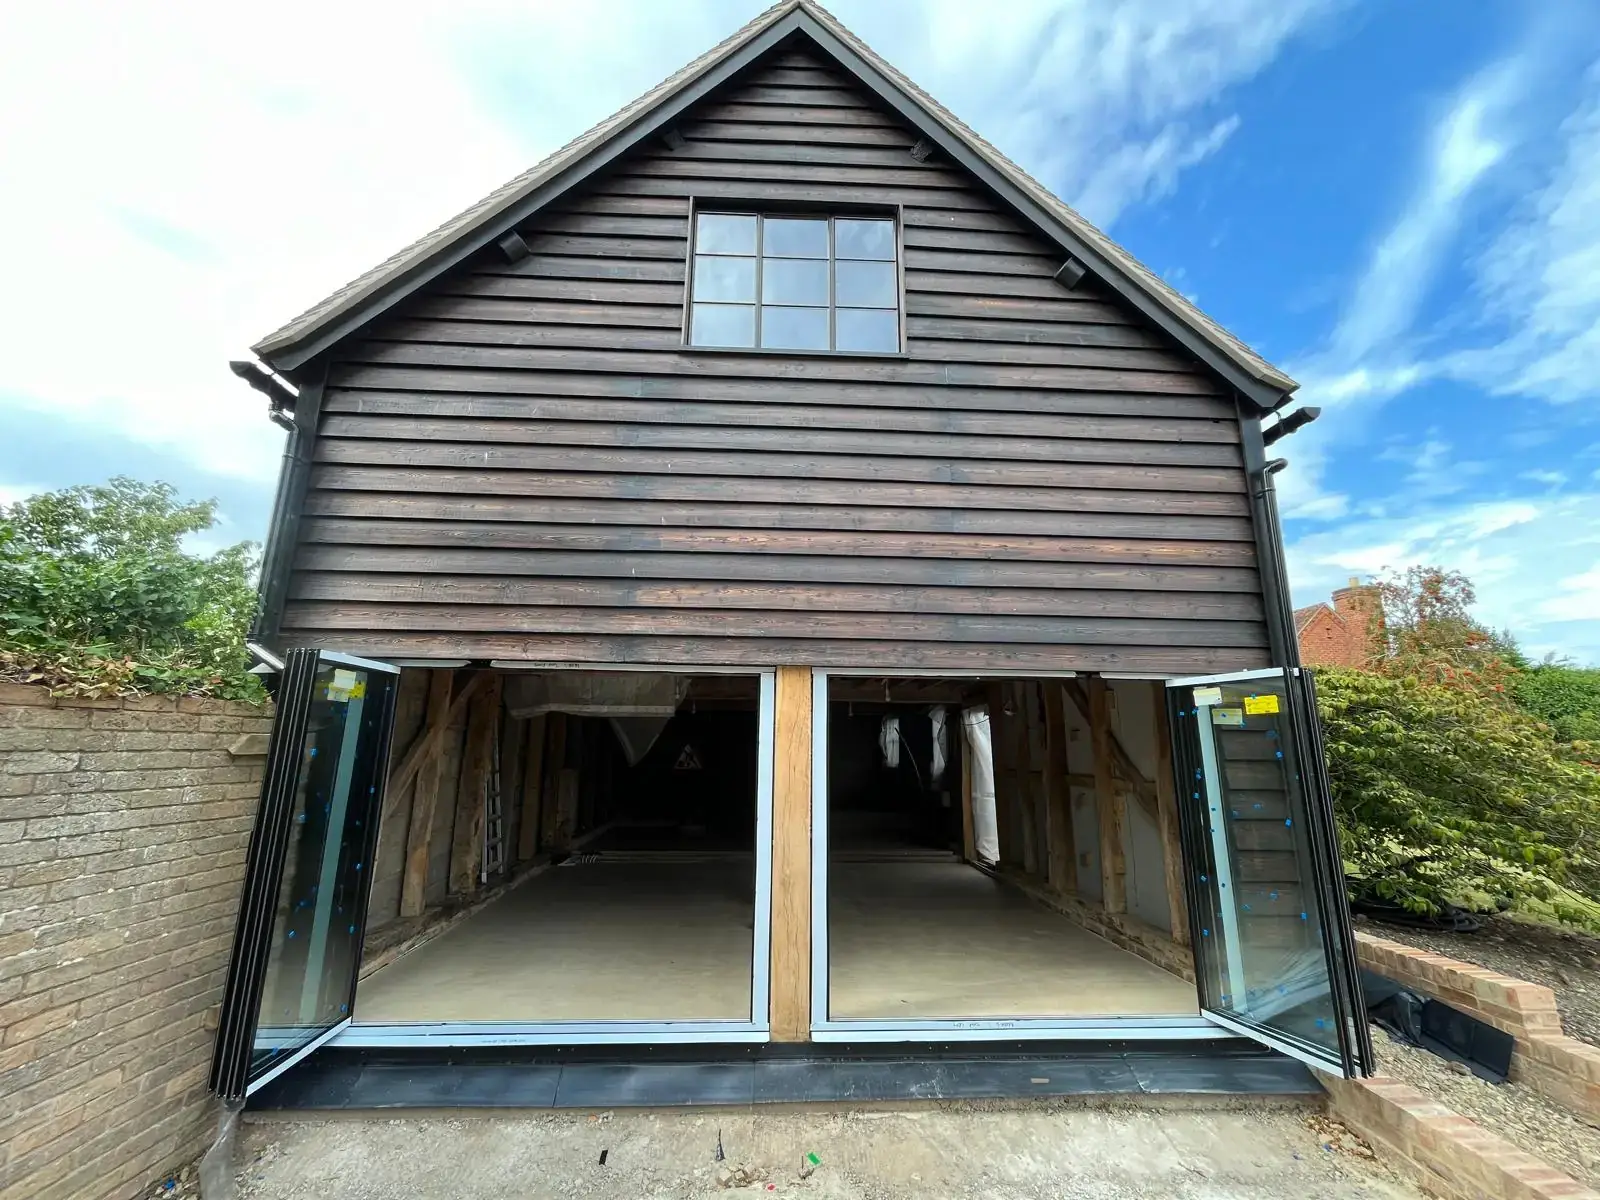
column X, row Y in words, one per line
column 1563, row 1068
column 123, row 828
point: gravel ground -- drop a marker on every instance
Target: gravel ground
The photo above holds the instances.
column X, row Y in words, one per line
column 1517, row 1113
column 954, row 1152
column 1561, row 959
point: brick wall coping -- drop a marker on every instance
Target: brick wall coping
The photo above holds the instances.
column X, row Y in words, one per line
column 1543, row 1057
column 32, row 695
column 1443, row 1151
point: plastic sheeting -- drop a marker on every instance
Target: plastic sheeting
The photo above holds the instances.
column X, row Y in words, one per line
column 889, row 741
column 637, row 735
column 941, row 751
column 985, row 830
column 596, row 693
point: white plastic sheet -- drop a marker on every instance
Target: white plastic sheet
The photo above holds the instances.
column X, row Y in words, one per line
column 889, row 741
column 985, row 831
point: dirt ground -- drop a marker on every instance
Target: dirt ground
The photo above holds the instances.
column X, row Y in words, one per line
column 1561, row 959
column 992, row 1152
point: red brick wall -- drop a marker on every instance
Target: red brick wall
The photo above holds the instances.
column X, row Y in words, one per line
column 1344, row 635
column 123, row 826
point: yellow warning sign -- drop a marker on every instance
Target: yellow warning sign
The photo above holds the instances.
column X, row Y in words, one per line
column 1256, row 706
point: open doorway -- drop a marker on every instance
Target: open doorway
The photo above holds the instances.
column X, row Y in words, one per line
column 997, row 852
column 613, row 831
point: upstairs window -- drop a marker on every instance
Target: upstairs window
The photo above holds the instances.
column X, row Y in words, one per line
column 813, row 283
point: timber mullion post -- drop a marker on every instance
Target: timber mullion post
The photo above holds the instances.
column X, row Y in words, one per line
column 1113, row 862
column 425, row 797
column 789, row 995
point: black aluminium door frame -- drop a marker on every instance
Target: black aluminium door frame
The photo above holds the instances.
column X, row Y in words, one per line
column 1206, row 836
column 233, row 1073
column 1342, row 933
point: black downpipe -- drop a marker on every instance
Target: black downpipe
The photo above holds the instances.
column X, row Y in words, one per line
column 283, row 532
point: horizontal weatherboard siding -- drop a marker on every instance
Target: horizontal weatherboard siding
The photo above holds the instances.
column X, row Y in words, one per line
column 525, row 462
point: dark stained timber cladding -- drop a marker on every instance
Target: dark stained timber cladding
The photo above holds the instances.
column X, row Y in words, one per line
column 525, row 463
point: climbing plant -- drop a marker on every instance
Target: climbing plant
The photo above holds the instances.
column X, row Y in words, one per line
column 102, row 594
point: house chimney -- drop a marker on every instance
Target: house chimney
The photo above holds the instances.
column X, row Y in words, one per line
column 1361, row 608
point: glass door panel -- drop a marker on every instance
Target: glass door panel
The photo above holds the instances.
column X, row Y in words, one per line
column 302, row 918
column 1264, row 875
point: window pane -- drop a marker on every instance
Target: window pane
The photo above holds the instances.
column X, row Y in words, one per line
column 723, row 325
column 788, row 238
column 863, row 239
column 867, row 329
column 724, row 278
column 794, row 328
column 725, row 233
column 866, row 284
column 794, row 281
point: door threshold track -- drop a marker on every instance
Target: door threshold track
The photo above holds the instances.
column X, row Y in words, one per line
column 672, row 1077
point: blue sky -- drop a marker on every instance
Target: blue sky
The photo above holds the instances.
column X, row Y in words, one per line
column 1398, row 203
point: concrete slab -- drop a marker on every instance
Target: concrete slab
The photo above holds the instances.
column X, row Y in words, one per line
column 943, row 939
column 950, row 1151
column 624, row 941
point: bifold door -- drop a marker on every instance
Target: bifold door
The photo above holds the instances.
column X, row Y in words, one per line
column 1274, row 951
column 297, row 946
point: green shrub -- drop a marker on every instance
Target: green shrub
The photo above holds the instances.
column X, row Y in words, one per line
column 1446, row 796
column 1564, row 697
column 99, row 597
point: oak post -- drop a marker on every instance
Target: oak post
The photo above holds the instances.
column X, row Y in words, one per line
column 790, row 994
column 1113, row 861
column 425, row 794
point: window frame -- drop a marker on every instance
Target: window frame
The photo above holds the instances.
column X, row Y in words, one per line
column 802, row 210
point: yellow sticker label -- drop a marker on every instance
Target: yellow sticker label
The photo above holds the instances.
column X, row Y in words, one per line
column 1256, row 706
column 1228, row 717
column 346, row 686
column 1207, row 695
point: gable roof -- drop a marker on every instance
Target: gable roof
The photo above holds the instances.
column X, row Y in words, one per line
column 1304, row 616
column 508, row 206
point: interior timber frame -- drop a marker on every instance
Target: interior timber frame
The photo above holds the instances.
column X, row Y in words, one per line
column 462, row 737
column 1034, row 797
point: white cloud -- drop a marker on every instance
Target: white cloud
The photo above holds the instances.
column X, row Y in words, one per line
column 10, row 493
column 1535, row 564
column 1371, row 354
column 179, row 178
column 1552, row 479
column 1463, row 147
column 1577, row 598
column 1301, row 489
column 1105, row 103
column 1148, row 170
column 1538, row 278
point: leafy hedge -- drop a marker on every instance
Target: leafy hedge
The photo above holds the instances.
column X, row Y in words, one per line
column 1567, row 698
column 1446, row 796
column 98, row 595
